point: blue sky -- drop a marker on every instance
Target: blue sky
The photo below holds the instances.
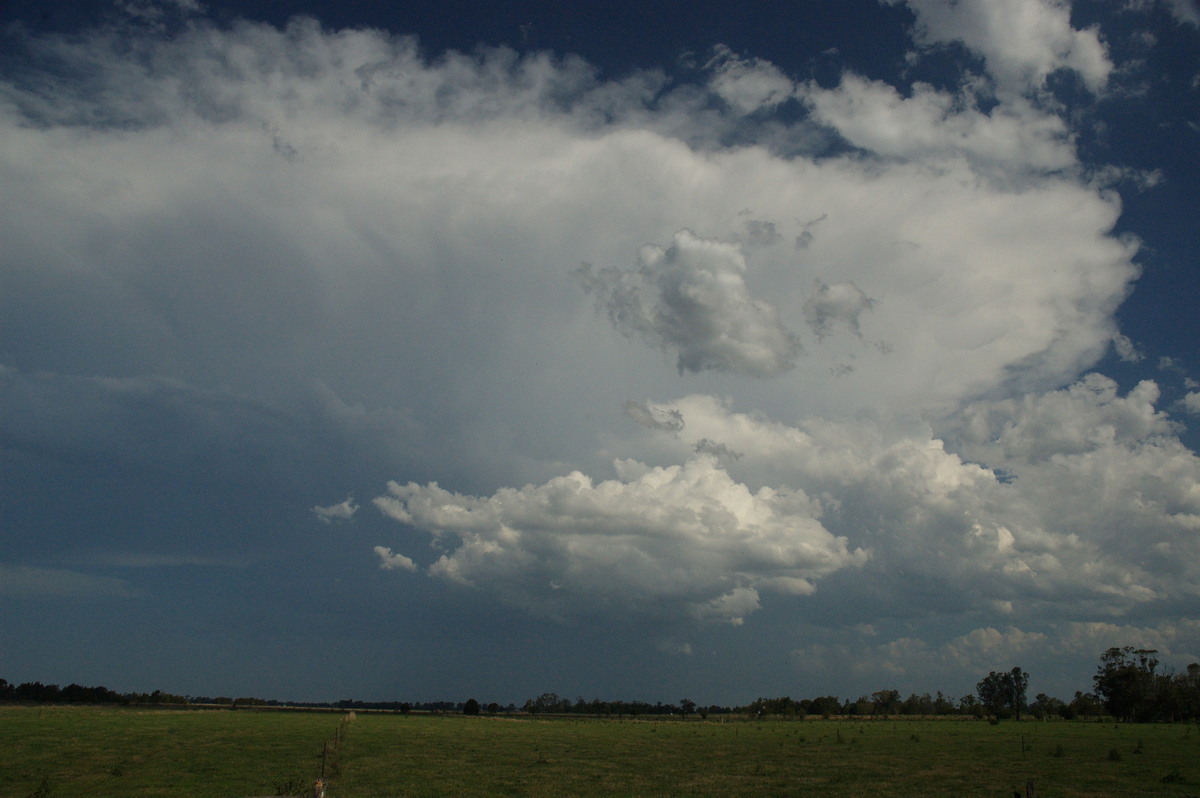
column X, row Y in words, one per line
column 428, row 351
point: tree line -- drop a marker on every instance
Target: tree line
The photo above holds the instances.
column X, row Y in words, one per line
column 1128, row 685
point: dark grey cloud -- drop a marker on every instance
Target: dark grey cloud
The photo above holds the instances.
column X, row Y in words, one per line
column 830, row 306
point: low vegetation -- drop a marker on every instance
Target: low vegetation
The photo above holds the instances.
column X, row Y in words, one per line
column 1138, row 734
column 113, row 751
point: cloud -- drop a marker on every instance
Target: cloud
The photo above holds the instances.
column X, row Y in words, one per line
column 1126, row 349
column 342, row 511
column 1191, row 402
column 748, row 85
column 937, row 124
column 27, row 581
column 1070, row 503
column 1022, row 42
column 390, row 561
column 683, row 539
column 1186, row 12
column 654, row 417
column 692, row 297
column 151, row 560
column 320, row 259
column 916, row 660
column 837, row 304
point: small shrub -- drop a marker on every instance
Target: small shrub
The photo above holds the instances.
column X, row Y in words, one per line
column 1059, row 753
column 1114, row 755
column 1174, row 777
column 292, row 786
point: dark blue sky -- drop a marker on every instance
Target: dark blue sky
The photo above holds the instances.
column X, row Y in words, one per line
column 710, row 349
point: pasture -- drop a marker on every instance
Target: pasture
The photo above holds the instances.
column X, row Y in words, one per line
column 93, row 751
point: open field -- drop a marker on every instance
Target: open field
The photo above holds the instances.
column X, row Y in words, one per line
column 77, row 751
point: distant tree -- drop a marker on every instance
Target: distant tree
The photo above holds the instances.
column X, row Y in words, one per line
column 37, row 692
column 885, row 702
column 917, row 705
column 1131, row 689
column 470, row 707
column 1186, row 693
column 687, row 706
column 1044, row 706
column 825, row 706
column 547, row 702
column 1084, row 704
column 1000, row 691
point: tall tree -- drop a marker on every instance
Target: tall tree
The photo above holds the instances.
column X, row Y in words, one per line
column 998, row 691
column 1127, row 682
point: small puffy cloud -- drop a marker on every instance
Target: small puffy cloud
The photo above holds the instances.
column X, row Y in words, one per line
column 1022, row 42
column 342, row 511
column 692, row 297
column 1191, row 402
column 1126, row 349
column 834, row 305
column 654, row 417
column 681, row 540
column 760, row 233
column 390, row 561
column 748, row 85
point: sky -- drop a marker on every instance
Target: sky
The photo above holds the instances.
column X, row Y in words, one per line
column 713, row 350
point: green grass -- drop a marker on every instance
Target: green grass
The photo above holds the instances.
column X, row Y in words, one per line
column 76, row 751
column 67, row 752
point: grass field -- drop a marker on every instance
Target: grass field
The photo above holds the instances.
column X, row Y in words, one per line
column 85, row 751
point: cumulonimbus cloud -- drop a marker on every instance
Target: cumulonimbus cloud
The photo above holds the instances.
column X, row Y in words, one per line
column 278, row 219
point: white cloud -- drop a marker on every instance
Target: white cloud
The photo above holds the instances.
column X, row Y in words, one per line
column 1191, row 402
column 390, row 561
column 1126, row 349
column 342, row 511
column 748, row 85
column 27, row 581
column 1022, row 41
column 664, row 540
column 1093, row 505
column 692, row 297
column 937, row 124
